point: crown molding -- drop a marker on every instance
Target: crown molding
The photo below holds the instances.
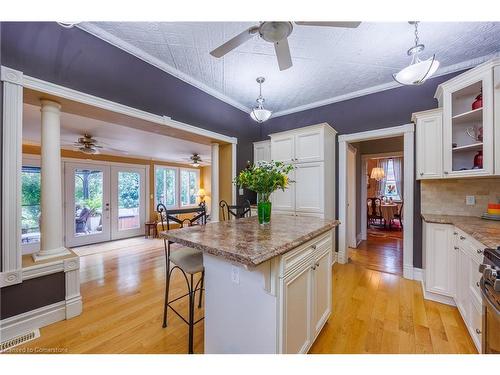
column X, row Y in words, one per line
column 148, row 58
column 386, row 86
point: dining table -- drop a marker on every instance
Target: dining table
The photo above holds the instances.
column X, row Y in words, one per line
column 388, row 211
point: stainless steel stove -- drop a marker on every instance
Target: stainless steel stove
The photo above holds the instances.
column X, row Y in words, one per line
column 490, row 290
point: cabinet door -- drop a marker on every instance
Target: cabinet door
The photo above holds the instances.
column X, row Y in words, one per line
column 468, row 131
column 262, row 151
column 429, row 146
column 462, row 294
column 296, row 301
column 475, row 324
column 283, row 148
column 285, row 200
column 309, row 187
column 309, row 146
column 439, row 259
column 322, row 291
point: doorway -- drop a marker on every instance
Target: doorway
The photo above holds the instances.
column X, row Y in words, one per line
column 406, row 132
column 103, row 202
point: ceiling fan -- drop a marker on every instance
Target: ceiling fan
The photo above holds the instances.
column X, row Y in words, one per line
column 276, row 33
column 89, row 145
column 195, row 160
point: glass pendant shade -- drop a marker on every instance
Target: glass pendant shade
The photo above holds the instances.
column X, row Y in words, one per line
column 260, row 114
column 377, row 174
column 417, row 72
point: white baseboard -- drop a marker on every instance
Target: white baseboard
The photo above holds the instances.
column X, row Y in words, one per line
column 418, row 274
column 28, row 321
column 74, row 307
column 437, row 297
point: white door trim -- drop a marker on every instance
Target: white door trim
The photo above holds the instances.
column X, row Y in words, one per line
column 351, row 190
column 407, row 131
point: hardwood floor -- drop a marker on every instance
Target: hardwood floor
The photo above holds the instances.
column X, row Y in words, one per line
column 381, row 251
column 123, row 290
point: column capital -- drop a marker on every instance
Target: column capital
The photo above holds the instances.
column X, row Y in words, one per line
column 11, row 75
column 50, row 105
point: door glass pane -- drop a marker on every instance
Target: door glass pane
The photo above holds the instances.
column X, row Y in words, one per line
column 30, row 202
column 128, row 200
column 88, row 202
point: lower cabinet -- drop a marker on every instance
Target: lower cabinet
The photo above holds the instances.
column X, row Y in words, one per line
column 451, row 262
column 306, row 292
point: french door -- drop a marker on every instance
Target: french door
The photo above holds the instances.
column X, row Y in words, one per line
column 103, row 203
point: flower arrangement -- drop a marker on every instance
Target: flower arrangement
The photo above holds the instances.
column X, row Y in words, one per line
column 264, row 177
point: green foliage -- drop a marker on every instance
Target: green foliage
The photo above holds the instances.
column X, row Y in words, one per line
column 265, row 177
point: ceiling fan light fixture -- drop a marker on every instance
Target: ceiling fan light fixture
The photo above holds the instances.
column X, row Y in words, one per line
column 419, row 70
column 259, row 113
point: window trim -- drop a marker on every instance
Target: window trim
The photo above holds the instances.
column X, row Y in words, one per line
column 30, row 161
column 386, row 181
column 197, row 171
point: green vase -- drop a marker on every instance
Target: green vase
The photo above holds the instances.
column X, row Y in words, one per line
column 263, row 208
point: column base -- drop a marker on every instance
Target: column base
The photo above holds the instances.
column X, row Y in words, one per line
column 55, row 253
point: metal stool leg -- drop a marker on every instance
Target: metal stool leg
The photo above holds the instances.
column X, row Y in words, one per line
column 201, row 288
column 191, row 315
column 167, row 287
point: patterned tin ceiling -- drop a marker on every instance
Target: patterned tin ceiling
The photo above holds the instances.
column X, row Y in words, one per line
column 329, row 64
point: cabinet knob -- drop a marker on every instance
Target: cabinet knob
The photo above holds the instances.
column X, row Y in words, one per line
column 455, row 233
column 313, row 267
column 462, row 238
column 421, row 173
column 317, row 264
column 456, row 247
column 314, row 246
column 445, row 172
column 479, row 251
column 477, row 283
column 478, row 331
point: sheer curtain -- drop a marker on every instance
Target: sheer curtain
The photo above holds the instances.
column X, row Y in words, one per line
column 398, row 174
column 382, row 163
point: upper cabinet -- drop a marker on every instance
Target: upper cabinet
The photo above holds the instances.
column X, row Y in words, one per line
column 467, row 103
column 305, row 145
column 429, row 143
column 262, row 151
column 458, row 139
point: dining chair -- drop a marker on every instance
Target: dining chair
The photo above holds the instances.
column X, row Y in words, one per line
column 399, row 215
column 235, row 211
column 187, row 260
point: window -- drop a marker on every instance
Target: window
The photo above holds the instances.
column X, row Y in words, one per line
column 165, row 186
column 189, row 186
column 30, row 204
column 391, row 190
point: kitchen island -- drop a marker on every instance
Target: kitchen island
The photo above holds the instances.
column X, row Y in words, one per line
column 268, row 287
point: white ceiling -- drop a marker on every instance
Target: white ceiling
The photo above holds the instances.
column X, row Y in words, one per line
column 128, row 141
column 330, row 64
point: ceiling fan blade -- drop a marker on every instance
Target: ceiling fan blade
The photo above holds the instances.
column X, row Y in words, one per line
column 351, row 25
column 283, row 54
column 235, row 42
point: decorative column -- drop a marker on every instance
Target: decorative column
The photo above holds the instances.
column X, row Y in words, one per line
column 51, row 231
column 214, row 211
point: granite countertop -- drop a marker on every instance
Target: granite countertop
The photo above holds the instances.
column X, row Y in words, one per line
column 485, row 231
column 245, row 241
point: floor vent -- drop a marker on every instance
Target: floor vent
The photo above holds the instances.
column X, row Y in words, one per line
column 9, row 344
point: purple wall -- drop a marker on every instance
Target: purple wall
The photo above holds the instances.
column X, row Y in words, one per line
column 78, row 60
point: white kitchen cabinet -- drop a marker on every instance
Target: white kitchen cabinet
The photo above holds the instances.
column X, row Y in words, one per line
column 452, row 273
column 262, row 151
column 496, row 116
column 322, row 281
column 306, row 292
column 309, row 187
column 312, row 152
column 297, row 306
column 283, row 148
column 439, row 259
column 429, row 143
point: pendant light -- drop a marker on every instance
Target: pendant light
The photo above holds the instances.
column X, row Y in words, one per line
column 377, row 174
column 259, row 113
column 419, row 70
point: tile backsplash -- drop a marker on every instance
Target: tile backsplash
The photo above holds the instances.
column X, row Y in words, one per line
column 447, row 197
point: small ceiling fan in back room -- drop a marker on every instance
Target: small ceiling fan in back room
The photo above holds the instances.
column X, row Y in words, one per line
column 276, row 33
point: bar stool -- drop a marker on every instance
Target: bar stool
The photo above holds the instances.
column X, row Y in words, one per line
column 187, row 260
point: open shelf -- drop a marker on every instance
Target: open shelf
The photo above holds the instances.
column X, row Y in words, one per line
column 476, row 115
column 472, row 147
